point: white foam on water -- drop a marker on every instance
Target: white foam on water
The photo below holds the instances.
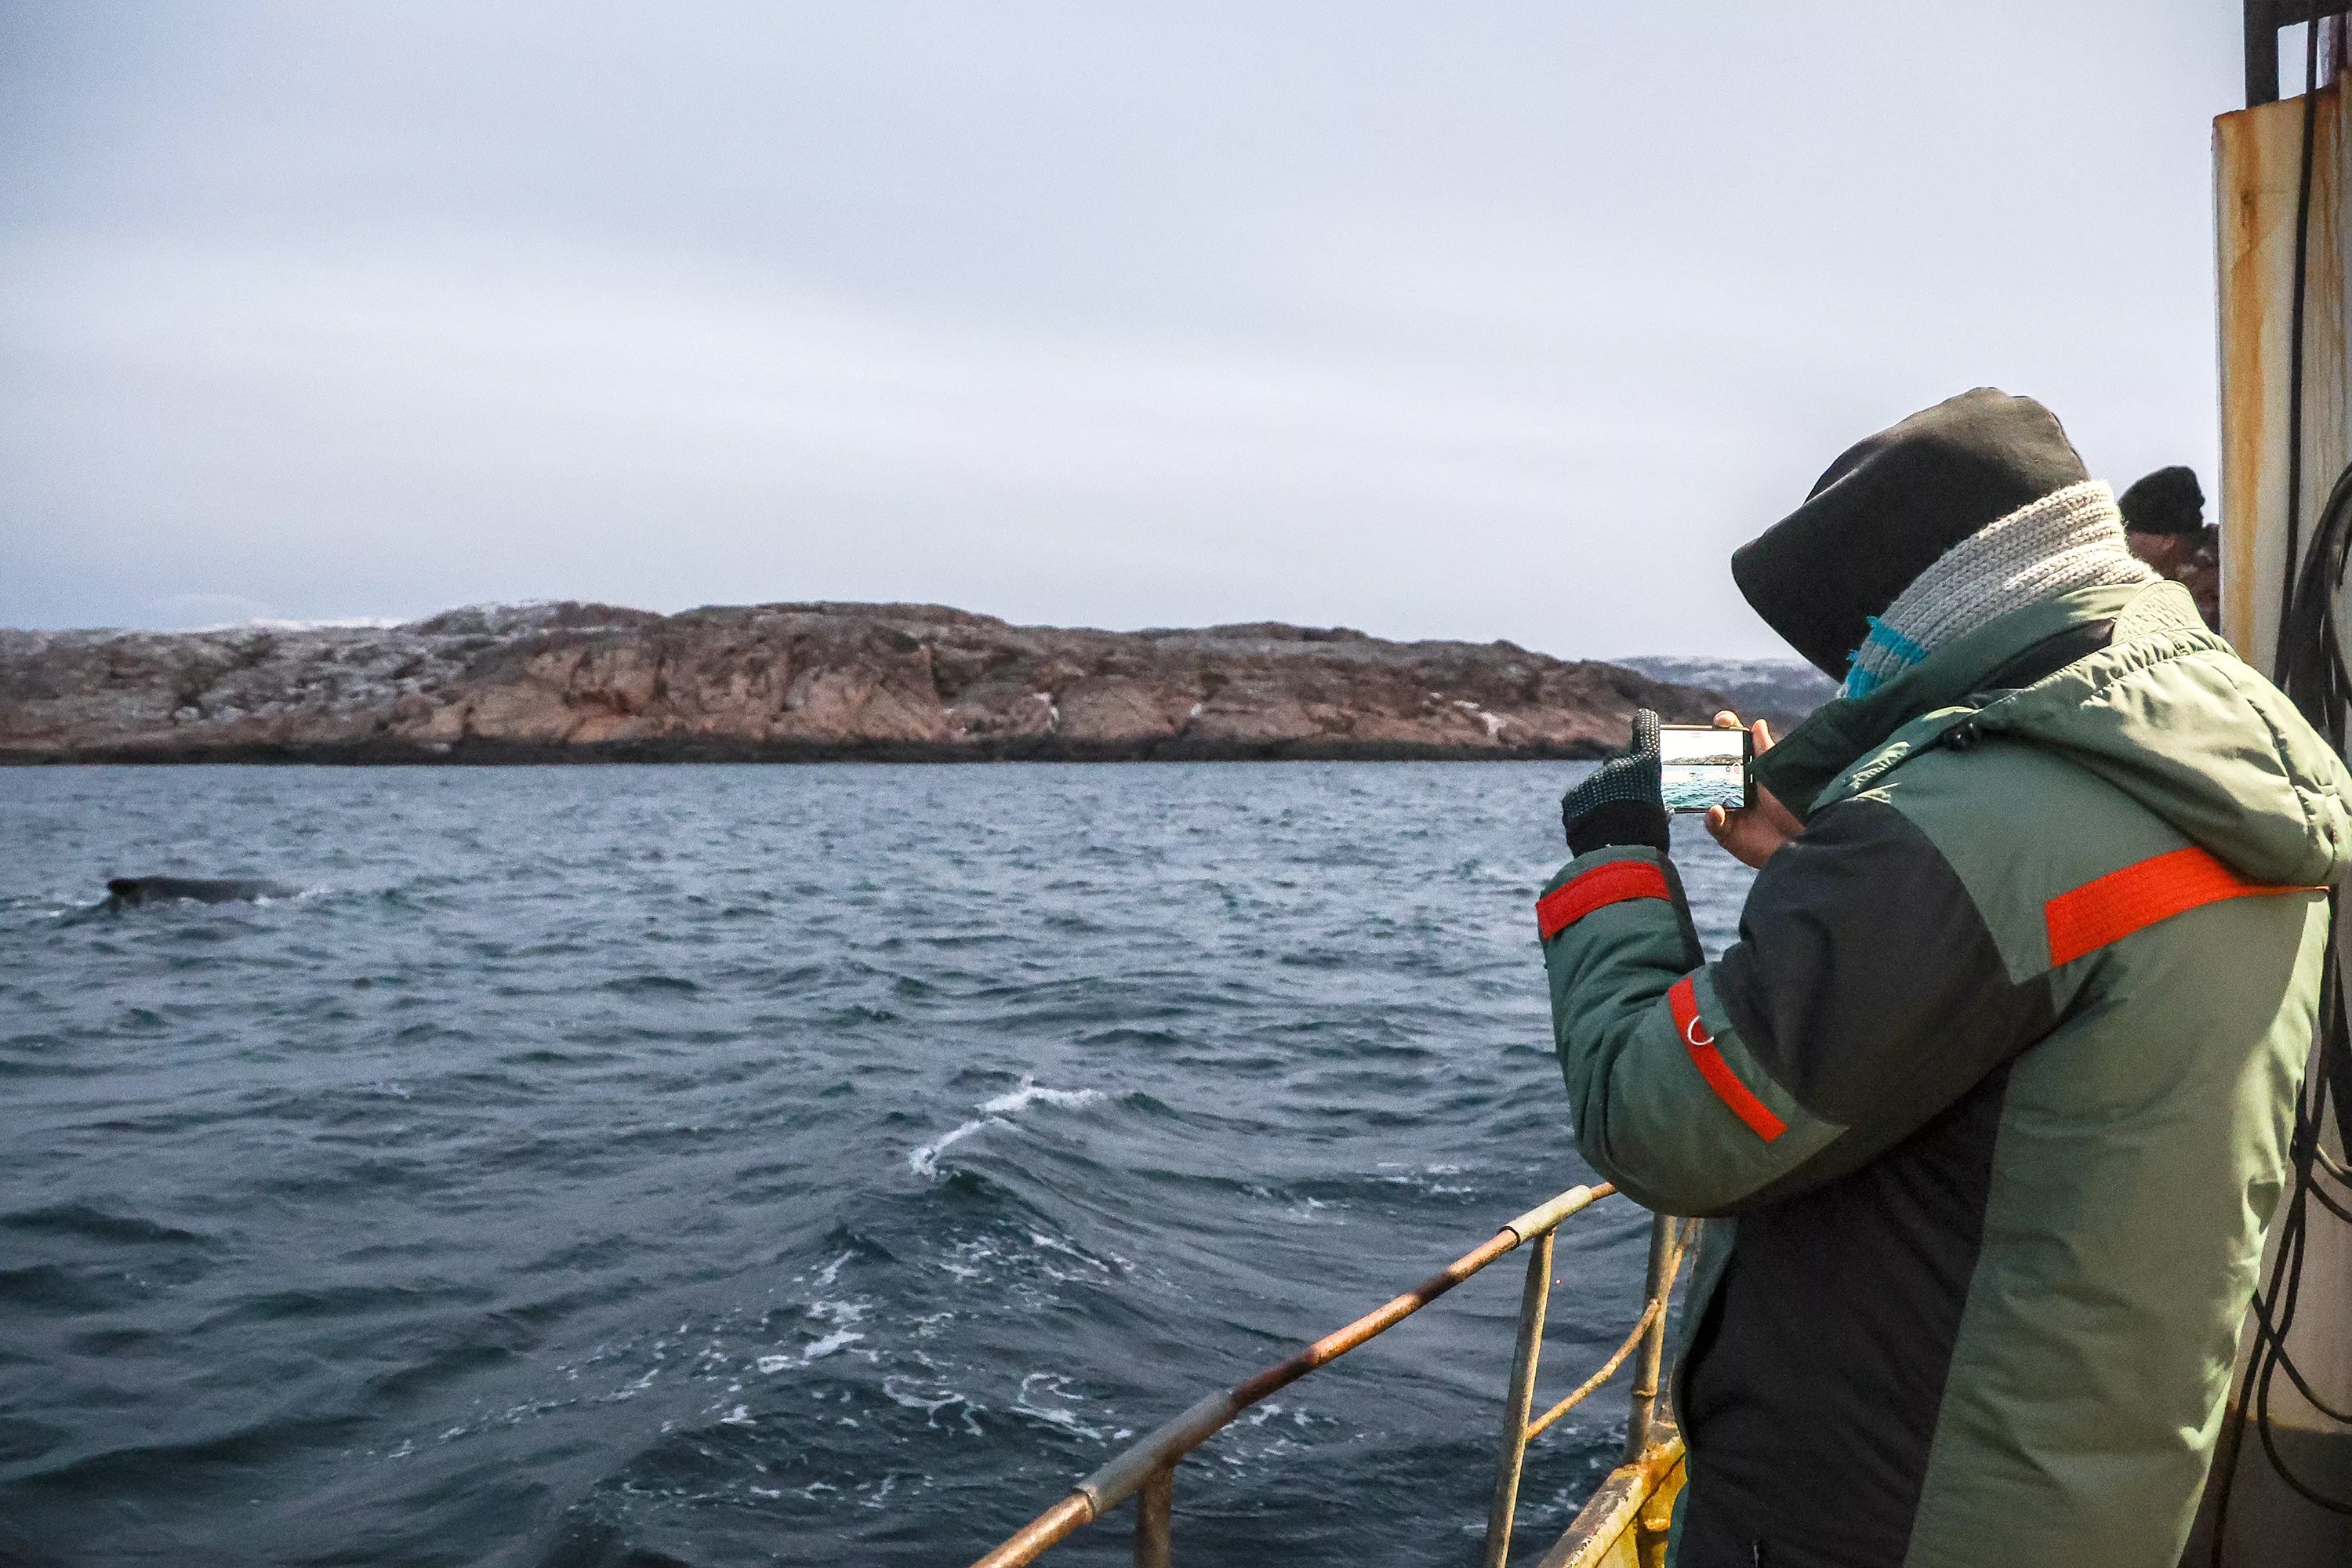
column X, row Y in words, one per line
column 631, row 1391
column 1050, row 1243
column 1028, row 1093
column 925, row 1161
column 830, row 1343
column 1057, row 1387
column 930, row 1407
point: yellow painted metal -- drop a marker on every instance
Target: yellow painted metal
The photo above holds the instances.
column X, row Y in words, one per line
column 1656, row 1529
column 1625, row 1522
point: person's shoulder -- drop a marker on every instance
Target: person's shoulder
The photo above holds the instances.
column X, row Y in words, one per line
column 2015, row 825
column 1989, row 796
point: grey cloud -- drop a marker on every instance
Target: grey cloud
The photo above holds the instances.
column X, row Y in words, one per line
column 1499, row 323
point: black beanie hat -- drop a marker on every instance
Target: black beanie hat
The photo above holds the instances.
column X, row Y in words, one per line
column 2166, row 501
column 1889, row 507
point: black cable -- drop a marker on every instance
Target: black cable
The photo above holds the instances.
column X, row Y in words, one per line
column 2311, row 668
column 2274, row 1306
column 2271, row 1336
column 2277, row 1356
column 2334, row 1207
column 2327, row 1162
column 2295, row 329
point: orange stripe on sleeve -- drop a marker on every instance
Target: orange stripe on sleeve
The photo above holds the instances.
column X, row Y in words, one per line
column 2110, row 908
column 1683, row 999
column 1612, row 882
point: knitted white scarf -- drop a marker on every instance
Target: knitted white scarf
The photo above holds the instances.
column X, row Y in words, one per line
column 2069, row 539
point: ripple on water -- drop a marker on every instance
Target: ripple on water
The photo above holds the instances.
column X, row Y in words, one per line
column 733, row 1165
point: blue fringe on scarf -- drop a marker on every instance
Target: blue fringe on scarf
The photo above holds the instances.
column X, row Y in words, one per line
column 1861, row 683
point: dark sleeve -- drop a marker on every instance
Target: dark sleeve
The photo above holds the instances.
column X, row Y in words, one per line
column 1865, row 995
column 1867, row 983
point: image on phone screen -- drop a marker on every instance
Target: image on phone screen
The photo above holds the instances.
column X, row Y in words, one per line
column 1701, row 767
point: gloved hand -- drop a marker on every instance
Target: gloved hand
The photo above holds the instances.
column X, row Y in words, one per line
column 1620, row 804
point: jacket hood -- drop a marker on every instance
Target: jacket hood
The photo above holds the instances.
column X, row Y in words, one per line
column 1889, row 507
column 2169, row 714
column 2165, row 712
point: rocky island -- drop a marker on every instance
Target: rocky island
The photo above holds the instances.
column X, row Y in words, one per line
column 806, row 682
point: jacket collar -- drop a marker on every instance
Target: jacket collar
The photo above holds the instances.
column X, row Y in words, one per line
column 1817, row 753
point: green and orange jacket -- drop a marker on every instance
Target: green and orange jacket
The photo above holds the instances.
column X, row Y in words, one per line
column 1988, row 1106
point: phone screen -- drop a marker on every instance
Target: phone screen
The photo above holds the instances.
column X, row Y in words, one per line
column 1700, row 766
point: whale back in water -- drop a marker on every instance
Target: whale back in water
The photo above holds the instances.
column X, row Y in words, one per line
column 126, row 892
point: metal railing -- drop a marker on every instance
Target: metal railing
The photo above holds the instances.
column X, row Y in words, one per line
column 1668, row 1241
column 1146, row 1470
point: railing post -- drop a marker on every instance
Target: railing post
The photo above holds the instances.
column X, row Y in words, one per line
column 1533, row 1299
column 1153, row 1506
column 1642, row 1411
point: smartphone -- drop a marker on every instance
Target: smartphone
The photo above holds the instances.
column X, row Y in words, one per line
column 1700, row 766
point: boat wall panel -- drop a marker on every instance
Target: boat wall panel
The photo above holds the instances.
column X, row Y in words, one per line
column 2258, row 155
column 2257, row 173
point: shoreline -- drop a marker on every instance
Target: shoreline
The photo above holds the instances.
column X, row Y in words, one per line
column 500, row 753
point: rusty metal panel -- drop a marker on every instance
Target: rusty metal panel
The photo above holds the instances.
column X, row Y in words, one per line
column 2257, row 158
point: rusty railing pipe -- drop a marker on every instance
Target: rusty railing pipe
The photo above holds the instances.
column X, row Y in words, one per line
column 1586, row 1389
column 1030, row 1541
column 1155, row 1506
column 1533, row 1299
column 1125, row 1474
column 1665, row 1257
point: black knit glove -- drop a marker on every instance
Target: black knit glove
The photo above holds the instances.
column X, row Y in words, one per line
column 1620, row 804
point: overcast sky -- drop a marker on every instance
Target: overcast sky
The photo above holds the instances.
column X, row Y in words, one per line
column 1494, row 321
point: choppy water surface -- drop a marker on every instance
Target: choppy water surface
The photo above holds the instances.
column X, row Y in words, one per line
column 733, row 1165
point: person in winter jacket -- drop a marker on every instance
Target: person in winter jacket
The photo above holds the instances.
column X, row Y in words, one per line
column 2164, row 525
column 2164, row 518
column 1988, row 1107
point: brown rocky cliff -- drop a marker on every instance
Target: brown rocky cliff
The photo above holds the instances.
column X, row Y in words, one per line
column 793, row 682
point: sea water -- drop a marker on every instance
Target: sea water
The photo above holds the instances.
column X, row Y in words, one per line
column 722, row 1165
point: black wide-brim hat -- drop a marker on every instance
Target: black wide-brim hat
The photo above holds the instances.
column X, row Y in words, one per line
column 1889, row 507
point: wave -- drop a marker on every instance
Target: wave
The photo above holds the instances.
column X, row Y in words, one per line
column 924, row 1161
column 546, row 1175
